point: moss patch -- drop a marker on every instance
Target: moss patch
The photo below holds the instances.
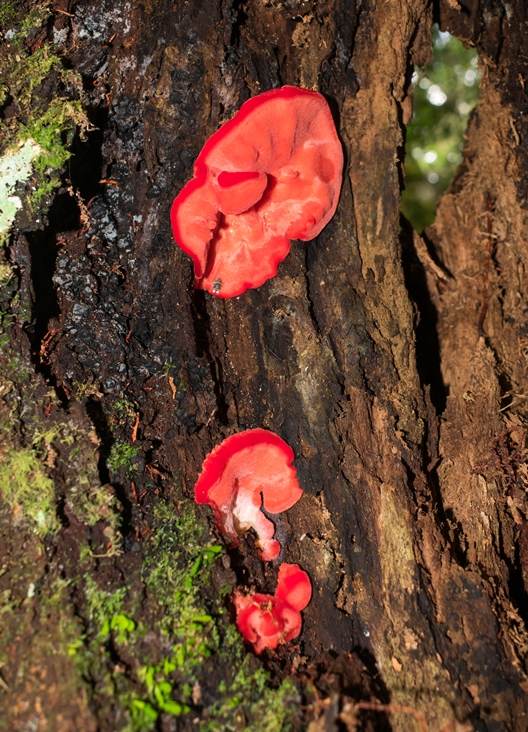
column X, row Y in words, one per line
column 122, row 456
column 42, row 110
column 28, row 490
column 183, row 638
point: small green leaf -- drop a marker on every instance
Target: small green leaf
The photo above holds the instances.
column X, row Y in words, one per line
column 122, row 622
column 74, row 646
column 149, row 676
column 165, row 687
column 180, row 655
column 168, row 667
column 202, row 619
column 174, row 708
column 159, row 695
column 150, row 712
column 196, row 567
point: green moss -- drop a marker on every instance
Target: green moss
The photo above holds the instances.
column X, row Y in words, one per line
column 176, row 572
column 196, row 642
column 91, row 503
column 61, row 118
column 36, row 18
column 270, row 709
column 28, row 490
column 25, row 482
column 43, row 120
column 86, row 389
column 121, row 456
column 7, row 11
column 53, row 132
column 101, row 605
column 31, row 71
column 124, row 409
column 179, row 560
column 175, row 635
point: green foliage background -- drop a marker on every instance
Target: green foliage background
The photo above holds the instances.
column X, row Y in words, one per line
column 445, row 93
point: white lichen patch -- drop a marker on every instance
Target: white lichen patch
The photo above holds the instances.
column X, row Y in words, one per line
column 15, row 167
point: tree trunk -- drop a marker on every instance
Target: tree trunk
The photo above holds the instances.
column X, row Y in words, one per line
column 393, row 365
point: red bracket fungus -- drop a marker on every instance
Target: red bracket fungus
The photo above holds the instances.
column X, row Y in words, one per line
column 268, row 620
column 271, row 174
column 248, row 470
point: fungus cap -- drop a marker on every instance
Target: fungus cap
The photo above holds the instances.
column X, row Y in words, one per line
column 270, row 174
column 246, row 471
column 266, row 621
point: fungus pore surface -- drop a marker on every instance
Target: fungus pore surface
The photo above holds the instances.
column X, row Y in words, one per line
column 245, row 472
column 270, row 174
column 266, row 621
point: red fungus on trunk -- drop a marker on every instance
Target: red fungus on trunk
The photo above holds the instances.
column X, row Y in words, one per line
column 268, row 620
column 248, row 470
column 271, row 174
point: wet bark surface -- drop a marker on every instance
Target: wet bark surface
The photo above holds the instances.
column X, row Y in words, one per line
column 393, row 365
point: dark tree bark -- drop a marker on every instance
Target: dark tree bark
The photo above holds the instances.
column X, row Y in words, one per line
column 395, row 366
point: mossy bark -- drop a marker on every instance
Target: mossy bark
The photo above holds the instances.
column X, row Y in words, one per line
column 401, row 391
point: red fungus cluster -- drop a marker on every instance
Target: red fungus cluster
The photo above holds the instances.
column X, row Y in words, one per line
column 271, row 174
column 267, row 620
column 245, row 472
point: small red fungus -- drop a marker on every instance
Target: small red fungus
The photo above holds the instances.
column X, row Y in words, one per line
column 271, row 174
column 248, row 470
column 268, row 620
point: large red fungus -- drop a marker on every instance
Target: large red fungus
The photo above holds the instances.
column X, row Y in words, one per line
column 248, row 470
column 271, row 174
column 267, row 620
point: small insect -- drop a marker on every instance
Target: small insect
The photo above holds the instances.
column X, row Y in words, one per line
column 217, row 284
